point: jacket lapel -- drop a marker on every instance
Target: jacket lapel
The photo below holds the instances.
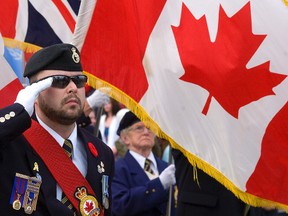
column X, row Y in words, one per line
column 135, row 169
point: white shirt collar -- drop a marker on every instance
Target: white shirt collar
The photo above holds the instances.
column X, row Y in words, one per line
column 141, row 160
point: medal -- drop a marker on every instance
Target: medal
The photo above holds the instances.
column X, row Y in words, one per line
column 25, row 193
column 31, row 195
column 17, row 204
column 19, row 188
column 106, row 203
column 28, row 209
column 105, row 193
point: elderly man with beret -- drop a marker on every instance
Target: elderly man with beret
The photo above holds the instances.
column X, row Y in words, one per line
column 48, row 165
column 142, row 181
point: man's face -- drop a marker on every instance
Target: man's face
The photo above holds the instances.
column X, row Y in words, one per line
column 61, row 105
column 139, row 138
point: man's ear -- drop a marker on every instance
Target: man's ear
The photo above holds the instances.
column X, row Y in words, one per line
column 124, row 138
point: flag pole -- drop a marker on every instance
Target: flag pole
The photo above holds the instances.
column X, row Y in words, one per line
column 98, row 116
column 168, row 208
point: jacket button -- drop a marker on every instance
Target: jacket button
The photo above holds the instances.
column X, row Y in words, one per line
column 12, row 114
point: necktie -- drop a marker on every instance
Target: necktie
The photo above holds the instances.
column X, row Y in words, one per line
column 147, row 166
column 68, row 148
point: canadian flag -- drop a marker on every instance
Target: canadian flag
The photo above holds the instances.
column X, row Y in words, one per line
column 211, row 77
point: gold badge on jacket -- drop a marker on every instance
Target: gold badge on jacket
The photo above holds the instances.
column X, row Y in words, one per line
column 25, row 193
column 88, row 204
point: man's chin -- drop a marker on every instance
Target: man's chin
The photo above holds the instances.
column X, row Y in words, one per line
column 67, row 121
column 70, row 118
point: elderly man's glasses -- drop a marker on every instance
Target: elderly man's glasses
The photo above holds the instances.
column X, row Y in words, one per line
column 139, row 129
column 62, row 81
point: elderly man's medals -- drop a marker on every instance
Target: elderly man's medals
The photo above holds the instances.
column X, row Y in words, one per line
column 25, row 193
column 88, row 204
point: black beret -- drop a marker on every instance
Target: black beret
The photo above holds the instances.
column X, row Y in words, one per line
column 56, row 57
column 128, row 119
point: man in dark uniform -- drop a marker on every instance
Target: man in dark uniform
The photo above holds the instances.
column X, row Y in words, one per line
column 206, row 196
column 48, row 165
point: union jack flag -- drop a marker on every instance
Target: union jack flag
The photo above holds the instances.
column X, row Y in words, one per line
column 38, row 22
column 26, row 26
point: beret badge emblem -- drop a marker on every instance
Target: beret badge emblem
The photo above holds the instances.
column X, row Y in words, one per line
column 75, row 55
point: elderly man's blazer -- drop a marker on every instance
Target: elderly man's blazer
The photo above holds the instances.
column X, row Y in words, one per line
column 134, row 193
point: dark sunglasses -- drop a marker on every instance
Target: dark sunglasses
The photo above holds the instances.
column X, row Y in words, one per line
column 61, row 81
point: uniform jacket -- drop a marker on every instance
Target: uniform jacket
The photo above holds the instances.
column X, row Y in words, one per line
column 133, row 193
column 17, row 156
column 209, row 198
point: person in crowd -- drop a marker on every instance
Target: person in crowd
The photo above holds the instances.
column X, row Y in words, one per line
column 89, row 122
column 201, row 195
column 50, row 166
column 142, row 181
column 108, row 124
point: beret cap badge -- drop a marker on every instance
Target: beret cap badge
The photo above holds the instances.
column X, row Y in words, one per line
column 75, row 56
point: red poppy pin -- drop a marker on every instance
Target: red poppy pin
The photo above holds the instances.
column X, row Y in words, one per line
column 93, row 150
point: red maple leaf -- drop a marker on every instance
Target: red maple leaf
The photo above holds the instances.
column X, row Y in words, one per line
column 220, row 66
column 89, row 206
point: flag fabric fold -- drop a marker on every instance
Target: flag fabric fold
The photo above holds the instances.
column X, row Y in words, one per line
column 209, row 77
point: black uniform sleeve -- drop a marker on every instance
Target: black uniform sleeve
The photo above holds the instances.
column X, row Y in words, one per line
column 14, row 120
